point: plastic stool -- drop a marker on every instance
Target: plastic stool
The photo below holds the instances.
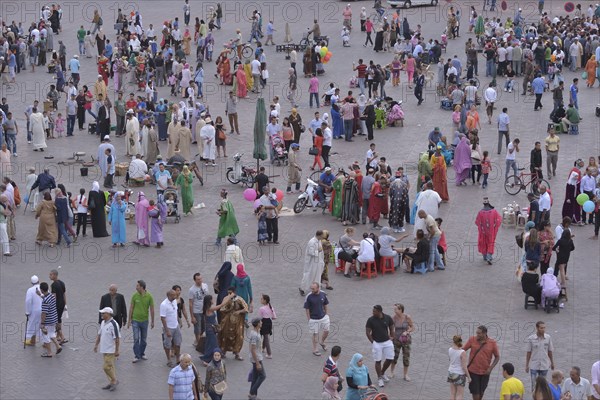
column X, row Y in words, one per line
column 421, row 268
column 341, row 266
column 386, row 265
column 531, row 302
column 369, row 270
column 574, row 129
column 551, row 304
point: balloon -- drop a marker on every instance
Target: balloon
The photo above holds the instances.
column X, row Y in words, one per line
column 327, row 57
column 588, row 206
column 582, row 198
column 250, row 194
column 323, row 51
column 329, row 54
column 257, row 204
column 279, row 194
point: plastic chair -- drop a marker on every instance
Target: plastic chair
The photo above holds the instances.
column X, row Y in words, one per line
column 529, row 302
column 369, row 270
column 340, row 266
column 421, row 268
column 551, row 304
column 386, row 265
column 574, row 129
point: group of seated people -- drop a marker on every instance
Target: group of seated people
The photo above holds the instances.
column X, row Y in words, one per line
column 372, row 247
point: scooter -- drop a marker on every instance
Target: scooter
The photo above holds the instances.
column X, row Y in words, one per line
column 240, row 173
column 310, row 198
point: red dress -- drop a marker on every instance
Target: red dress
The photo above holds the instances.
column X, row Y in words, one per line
column 488, row 222
column 375, row 203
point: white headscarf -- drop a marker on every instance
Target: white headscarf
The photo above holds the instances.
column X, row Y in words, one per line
column 95, row 187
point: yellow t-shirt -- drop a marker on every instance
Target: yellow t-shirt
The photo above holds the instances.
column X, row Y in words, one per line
column 512, row 386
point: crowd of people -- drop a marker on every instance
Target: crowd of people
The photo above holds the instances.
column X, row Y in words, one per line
column 147, row 60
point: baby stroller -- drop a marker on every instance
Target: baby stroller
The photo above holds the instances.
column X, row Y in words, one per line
column 372, row 394
column 280, row 154
column 345, row 37
column 172, row 201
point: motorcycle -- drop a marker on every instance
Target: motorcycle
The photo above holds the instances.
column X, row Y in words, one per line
column 240, row 173
column 310, row 198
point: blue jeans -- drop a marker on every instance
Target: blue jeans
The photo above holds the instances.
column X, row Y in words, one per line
column 140, row 333
column 310, row 100
column 348, row 125
column 81, row 47
column 70, row 124
column 535, row 373
column 485, row 183
column 11, row 142
column 62, row 232
column 488, row 67
column 258, row 377
column 434, row 254
column 321, row 193
column 510, row 164
column 361, row 85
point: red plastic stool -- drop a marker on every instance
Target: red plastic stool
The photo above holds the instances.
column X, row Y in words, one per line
column 341, row 267
column 369, row 270
column 387, row 265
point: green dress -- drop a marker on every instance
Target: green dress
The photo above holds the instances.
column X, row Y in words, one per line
column 187, row 196
column 227, row 223
column 336, row 210
column 424, row 169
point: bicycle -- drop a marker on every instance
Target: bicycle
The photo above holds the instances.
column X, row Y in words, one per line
column 247, row 51
column 513, row 184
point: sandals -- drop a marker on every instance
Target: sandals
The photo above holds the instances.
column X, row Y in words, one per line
column 170, row 364
column 59, row 350
column 316, row 353
column 239, row 358
column 46, row 355
column 323, row 346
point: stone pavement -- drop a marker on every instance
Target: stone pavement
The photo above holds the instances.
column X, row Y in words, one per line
column 442, row 304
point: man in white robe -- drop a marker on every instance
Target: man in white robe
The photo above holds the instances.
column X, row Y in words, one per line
column 33, row 310
column 207, row 135
column 38, row 127
column 102, row 155
column 132, row 134
column 429, row 201
column 173, row 137
column 199, row 142
column 313, row 263
column 144, row 140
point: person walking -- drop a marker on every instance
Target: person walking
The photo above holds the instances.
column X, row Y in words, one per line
column 112, row 298
column 380, row 332
column 59, row 291
column 539, row 353
column 313, row 263
column 503, row 128
column 511, row 153
column 483, row 358
column 552, row 147
column 48, row 321
column 258, row 374
column 538, row 85
column 228, row 225
column 33, row 311
column 458, row 373
column 171, row 332
column 182, row 380
column 318, row 319
column 142, row 302
column 196, row 303
column 512, row 388
column 488, row 223
column 215, row 382
column 107, row 342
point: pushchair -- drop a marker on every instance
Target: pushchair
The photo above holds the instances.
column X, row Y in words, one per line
column 280, row 154
column 172, row 200
column 372, row 394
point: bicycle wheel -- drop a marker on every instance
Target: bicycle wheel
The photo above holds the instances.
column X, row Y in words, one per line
column 247, row 52
column 513, row 184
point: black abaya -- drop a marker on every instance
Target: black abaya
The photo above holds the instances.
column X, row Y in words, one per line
column 378, row 41
column 350, row 207
column 98, row 213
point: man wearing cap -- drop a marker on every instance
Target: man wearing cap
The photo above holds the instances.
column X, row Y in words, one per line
column 488, row 222
column 33, row 311
column 74, row 66
column 107, row 342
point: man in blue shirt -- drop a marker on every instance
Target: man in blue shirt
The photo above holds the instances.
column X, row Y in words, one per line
column 573, row 91
column 325, row 184
column 74, row 67
column 538, row 89
column 269, row 32
column 163, row 179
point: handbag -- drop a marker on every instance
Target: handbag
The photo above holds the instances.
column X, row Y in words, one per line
column 475, row 155
column 519, row 239
column 313, row 151
column 220, row 387
column 222, row 135
column 405, row 339
column 584, row 75
column 302, row 128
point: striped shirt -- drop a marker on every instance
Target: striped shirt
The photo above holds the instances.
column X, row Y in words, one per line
column 49, row 309
column 182, row 381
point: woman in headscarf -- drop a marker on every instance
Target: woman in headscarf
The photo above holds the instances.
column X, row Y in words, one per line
column 184, row 182
column 38, row 127
column 231, row 328
column 296, row 123
column 327, row 248
column 376, row 203
column 215, row 374
column 337, row 123
column 425, row 171
column 116, row 218
column 158, row 214
column 184, row 142
column 96, row 205
column 224, row 279
column 186, row 77
column 590, row 68
column 209, row 312
column 187, row 38
column 307, row 62
column 550, row 285
column 330, row 389
column 378, row 38
column 570, row 207
column 62, row 216
column 152, row 150
column 350, row 200
column 46, row 213
column 248, row 72
column 462, row 161
column 357, row 378
column 141, row 220
column 224, row 68
column 228, row 225
column 440, row 178
column 240, row 80
column 398, row 202
column 406, row 29
column 243, row 286
column 161, row 115
column 448, row 155
column 335, row 205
